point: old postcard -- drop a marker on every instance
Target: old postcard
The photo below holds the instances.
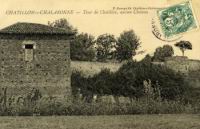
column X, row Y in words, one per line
column 99, row 64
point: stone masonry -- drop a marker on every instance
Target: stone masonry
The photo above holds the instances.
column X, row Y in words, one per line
column 188, row 67
column 35, row 56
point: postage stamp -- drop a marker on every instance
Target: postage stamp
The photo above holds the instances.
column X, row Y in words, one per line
column 177, row 19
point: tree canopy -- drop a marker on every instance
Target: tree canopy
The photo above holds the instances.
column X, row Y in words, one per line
column 105, row 47
column 162, row 52
column 183, row 46
column 82, row 47
column 127, row 45
column 62, row 23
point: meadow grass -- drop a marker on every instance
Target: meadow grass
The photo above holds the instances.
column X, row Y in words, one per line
column 167, row 121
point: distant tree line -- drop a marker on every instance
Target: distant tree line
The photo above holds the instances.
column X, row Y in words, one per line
column 84, row 47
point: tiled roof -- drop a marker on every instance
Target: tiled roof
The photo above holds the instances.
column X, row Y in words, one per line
column 32, row 28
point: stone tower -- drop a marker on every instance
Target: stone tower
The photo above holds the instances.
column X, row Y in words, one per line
column 35, row 56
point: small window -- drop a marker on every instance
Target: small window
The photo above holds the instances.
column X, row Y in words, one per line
column 28, row 46
column 28, row 52
column 38, row 65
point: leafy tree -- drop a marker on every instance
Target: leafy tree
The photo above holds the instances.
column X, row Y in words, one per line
column 127, row 45
column 105, row 47
column 162, row 52
column 82, row 47
column 62, row 23
column 184, row 45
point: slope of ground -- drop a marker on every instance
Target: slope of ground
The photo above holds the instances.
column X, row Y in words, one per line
column 91, row 68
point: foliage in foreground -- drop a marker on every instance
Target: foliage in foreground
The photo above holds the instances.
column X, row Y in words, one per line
column 34, row 103
column 60, row 107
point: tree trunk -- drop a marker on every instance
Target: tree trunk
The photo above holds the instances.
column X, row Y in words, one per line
column 183, row 52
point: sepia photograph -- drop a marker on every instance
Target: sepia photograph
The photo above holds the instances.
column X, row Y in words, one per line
column 91, row 64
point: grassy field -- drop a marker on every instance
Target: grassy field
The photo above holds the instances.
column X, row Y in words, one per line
column 103, row 122
column 91, row 68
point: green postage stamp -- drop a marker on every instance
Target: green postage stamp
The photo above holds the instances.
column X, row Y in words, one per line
column 177, row 19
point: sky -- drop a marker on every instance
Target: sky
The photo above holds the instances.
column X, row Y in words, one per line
column 97, row 24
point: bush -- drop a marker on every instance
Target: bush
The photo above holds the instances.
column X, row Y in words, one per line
column 130, row 78
column 49, row 106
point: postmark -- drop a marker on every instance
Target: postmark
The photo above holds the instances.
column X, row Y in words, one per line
column 156, row 31
column 177, row 19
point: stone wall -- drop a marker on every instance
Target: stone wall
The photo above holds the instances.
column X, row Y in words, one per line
column 190, row 68
column 178, row 64
column 49, row 70
column 182, row 64
column 194, row 65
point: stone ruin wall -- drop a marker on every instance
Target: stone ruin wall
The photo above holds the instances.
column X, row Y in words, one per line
column 182, row 64
column 190, row 68
column 194, row 65
column 49, row 71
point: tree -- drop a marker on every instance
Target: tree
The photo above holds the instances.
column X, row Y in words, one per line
column 162, row 52
column 62, row 23
column 105, row 47
column 184, row 45
column 82, row 47
column 127, row 45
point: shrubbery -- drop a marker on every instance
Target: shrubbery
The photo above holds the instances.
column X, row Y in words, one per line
column 150, row 103
column 129, row 80
column 141, row 106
